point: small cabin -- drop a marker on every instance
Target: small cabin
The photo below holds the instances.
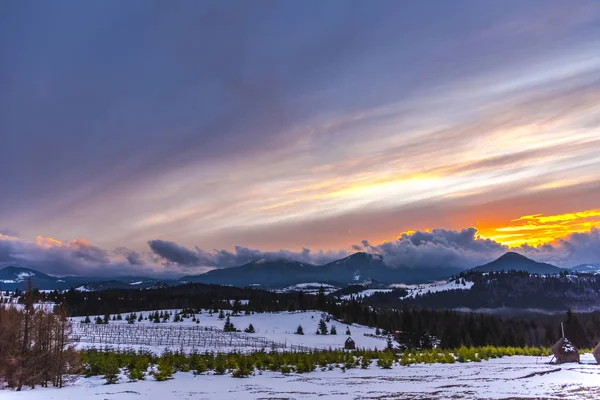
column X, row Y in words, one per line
column 349, row 345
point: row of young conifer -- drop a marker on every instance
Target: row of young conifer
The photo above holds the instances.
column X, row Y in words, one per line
column 115, row 365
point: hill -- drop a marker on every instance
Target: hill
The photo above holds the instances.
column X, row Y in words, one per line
column 514, row 261
column 586, row 269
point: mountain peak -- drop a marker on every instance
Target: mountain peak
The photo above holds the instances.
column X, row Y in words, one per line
column 515, row 261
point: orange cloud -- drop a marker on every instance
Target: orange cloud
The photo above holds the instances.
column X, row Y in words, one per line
column 538, row 229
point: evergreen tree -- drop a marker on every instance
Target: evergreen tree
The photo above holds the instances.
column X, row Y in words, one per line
column 221, row 315
column 229, row 327
column 164, row 369
column 321, row 299
column 87, row 319
column 333, row 330
column 322, row 329
column 299, row 330
column 111, row 370
column 348, row 330
column 249, row 329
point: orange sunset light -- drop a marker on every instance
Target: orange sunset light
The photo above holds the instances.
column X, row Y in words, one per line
column 538, row 229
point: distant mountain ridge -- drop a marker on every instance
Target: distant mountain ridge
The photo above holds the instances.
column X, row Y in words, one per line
column 358, row 268
column 355, row 269
column 12, row 278
column 515, row 261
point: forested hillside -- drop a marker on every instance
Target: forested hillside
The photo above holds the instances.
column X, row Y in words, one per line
column 513, row 289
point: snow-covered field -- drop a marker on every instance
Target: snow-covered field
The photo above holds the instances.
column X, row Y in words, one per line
column 275, row 327
column 414, row 290
column 506, row 378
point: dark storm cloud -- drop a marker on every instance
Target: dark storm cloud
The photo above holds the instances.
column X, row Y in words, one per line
column 574, row 249
column 438, row 248
column 176, row 254
column 179, row 255
column 78, row 257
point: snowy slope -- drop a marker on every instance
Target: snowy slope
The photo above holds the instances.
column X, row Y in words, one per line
column 436, row 287
column 275, row 327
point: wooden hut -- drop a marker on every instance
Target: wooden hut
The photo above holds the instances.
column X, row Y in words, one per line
column 596, row 353
column 349, row 345
column 565, row 352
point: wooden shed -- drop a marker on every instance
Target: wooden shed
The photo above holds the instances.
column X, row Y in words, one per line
column 349, row 345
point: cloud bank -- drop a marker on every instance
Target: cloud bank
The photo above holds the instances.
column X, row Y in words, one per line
column 438, row 248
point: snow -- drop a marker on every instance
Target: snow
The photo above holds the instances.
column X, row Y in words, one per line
column 309, row 287
column 516, row 377
column 415, row 290
column 83, row 289
column 365, row 293
column 22, row 275
column 273, row 327
column 7, row 281
column 137, row 283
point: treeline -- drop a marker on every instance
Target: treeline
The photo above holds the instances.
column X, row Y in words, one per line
column 194, row 295
column 35, row 346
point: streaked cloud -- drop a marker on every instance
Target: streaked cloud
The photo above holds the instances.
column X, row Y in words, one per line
column 294, row 125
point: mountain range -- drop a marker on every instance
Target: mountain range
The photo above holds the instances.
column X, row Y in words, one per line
column 358, row 268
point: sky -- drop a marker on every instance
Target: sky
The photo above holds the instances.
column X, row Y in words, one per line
column 167, row 137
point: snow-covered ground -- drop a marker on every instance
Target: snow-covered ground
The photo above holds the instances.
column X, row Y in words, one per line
column 414, row 290
column 275, row 327
column 364, row 293
column 506, row 378
column 308, row 288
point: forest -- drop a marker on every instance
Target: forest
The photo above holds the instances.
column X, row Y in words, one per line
column 411, row 323
column 512, row 289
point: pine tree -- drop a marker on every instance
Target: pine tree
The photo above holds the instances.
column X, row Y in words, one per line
column 164, row 370
column 221, row 315
column 87, row 319
column 299, row 331
column 229, row 327
column 322, row 327
column 111, row 370
column 348, row 331
column 249, row 329
column 333, row 330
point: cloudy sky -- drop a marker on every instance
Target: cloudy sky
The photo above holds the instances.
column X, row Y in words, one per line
column 161, row 136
